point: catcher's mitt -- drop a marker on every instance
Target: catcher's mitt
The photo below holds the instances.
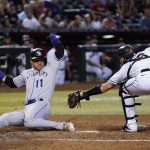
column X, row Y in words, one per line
column 75, row 98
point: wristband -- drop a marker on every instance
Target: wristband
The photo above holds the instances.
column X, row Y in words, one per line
column 94, row 91
column 55, row 41
column 2, row 75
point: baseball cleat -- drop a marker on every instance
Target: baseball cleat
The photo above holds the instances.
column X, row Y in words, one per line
column 130, row 128
column 68, row 126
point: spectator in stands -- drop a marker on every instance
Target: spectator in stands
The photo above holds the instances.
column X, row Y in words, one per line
column 88, row 21
column 78, row 22
column 97, row 6
column 7, row 40
column 2, row 14
column 7, row 23
column 27, row 41
column 96, row 21
column 92, row 21
column 95, row 61
column 40, row 8
column 23, row 14
column 31, row 23
column 33, row 5
column 145, row 19
column 47, row 20
column 59, row 22
column 19, row 4
column 109, row 22
column 12, row 15
column 127, row 14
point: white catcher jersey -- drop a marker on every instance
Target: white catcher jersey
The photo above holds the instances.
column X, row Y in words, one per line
column 121, row 75
column 39, row 84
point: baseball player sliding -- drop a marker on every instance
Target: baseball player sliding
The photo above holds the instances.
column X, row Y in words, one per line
column 40, row 83
column 133, row 78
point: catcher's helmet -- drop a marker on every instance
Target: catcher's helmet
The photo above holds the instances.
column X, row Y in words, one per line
column 38, row 54
column 126, row 51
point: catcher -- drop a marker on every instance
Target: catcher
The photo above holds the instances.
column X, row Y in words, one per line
column 133, row 79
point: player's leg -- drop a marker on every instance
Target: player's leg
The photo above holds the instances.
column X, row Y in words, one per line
column 132, row 88
column 12, row 118
column 140, row 86
column 37, row 117
column 128, row 104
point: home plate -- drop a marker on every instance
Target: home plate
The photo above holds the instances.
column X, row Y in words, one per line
column 88, row 131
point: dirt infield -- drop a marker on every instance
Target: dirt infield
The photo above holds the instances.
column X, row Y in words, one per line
column 92, row 133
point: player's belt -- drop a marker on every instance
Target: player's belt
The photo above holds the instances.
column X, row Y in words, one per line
column 31, row 101
column 144, row 70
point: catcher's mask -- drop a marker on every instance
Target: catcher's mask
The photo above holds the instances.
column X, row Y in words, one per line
column 126, row 51
column 38, row 54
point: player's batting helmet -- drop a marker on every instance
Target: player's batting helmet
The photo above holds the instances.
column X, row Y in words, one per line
column 38, row 54
column 126, row 51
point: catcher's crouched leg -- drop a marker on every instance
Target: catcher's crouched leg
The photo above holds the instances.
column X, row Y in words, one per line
column 128, row 103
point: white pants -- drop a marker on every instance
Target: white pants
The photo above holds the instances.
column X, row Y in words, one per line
column 34, row 116
column 137, row 86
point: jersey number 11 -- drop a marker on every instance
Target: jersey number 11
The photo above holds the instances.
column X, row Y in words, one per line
column 39, row 83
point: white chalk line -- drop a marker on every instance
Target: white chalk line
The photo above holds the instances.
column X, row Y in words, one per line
column 98, row 140
column 79, row 140
column 88, row 131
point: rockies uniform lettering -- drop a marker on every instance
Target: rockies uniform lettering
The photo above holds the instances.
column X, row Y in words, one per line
column 39, row 84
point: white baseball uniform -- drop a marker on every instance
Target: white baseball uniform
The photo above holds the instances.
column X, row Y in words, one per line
column 61, row 73
column 39, row 89
column 135, row 74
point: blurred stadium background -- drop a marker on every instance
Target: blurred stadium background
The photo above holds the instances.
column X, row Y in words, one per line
column 111, row 22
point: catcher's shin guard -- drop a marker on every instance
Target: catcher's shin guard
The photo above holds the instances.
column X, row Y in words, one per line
column 128, row 104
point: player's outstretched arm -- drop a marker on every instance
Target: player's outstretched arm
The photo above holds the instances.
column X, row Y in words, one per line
column 75, row 98
column 7, row 80
column 58, row 46
column 98, row 89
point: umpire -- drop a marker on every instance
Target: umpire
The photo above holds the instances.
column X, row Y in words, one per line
column 133, row 78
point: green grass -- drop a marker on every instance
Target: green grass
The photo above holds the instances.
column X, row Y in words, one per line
column 104, row 104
